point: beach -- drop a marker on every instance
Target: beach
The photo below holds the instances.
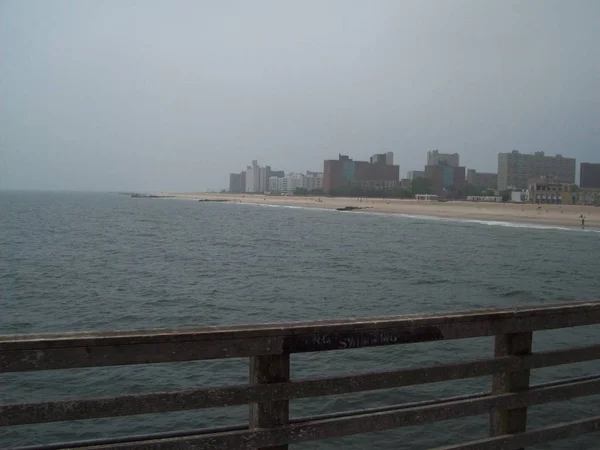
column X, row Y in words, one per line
column 552, row 215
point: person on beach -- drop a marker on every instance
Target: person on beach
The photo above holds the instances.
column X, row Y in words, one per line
column 582, row 222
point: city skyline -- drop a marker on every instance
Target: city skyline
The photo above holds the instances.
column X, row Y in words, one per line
column 560, row 167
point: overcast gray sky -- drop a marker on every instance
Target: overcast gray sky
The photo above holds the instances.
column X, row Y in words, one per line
column 174, row 95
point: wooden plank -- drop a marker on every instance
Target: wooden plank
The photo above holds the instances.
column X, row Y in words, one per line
column 362, row 423
column 267, row 370
column 152, row 336
column 158, row 402
column 40, row 352
column 533, row 437
column 509, row 421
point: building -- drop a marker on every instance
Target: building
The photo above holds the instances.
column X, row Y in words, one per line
column 275, row 173
column 435, row 158
column 515, row 169
column 589, row 175
column 445, row 177
column 383, row 158
column 543, row 190
column 313, row 181
column 377, row 185
column 587, row 196
column 482, row 180
column 345, row 172
column 519, row 196
column 276, row 184
column 237, row 182
column 412, row 174
column 256, row 178
column 292, row 181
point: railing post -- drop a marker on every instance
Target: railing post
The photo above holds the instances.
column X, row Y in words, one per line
column 510, row 421
column 264, row 370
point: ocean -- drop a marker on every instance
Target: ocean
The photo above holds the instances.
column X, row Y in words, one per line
column 94, row 261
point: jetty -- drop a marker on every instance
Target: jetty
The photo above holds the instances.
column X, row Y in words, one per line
column 271, row 385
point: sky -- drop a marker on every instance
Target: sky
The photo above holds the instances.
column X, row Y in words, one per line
column 174, row 95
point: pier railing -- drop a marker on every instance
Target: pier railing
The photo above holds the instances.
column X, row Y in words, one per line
column 270, row 387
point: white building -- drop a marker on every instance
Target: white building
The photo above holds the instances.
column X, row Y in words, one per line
column 275, row 184
column 256, row 178
column 289, row 183
column 313, row 180
column 435, row 158
column 389, row 158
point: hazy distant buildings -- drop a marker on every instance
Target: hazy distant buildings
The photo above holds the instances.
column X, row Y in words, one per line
column 345, row 172
column 412, row 174
column 443, row 176
column 313, row 181
column 482, row 180
column 256, row 178
column 382, row 158
column 589, row 175
column 435, row 158
column 289, row 183
column 516, row 169
column 237, row 182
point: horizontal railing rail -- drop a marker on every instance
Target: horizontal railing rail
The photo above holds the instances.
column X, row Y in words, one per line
column 271, row 388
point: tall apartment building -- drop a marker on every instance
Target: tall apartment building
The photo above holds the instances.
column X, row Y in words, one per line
column 482, row 180
column 516, row 169
column 344, row 172
column 257, row 178
column 382, row 158
column 435, row 158
column 589, row 175
column 237, row 182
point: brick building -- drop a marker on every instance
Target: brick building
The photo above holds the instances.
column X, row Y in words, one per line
column 345, row 172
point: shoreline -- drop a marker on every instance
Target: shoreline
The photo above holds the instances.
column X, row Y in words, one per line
column 551, row 215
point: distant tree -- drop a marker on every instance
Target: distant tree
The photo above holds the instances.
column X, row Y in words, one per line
column 316, row 192
column 469, row 190
column 505, row 195
column 421, row 185
column 301, row 191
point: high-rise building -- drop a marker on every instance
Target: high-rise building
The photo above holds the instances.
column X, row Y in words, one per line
column 482, row 180
column 516, row 169
column 256, row 178
column 589, row 175
column 383, row 158
column 435, row 158
column 237, row 182
column 389, row 158
column 344, row 172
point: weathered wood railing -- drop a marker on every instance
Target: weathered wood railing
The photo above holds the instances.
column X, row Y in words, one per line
column 270, row 389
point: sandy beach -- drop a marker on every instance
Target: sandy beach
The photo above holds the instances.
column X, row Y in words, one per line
column 557, row 215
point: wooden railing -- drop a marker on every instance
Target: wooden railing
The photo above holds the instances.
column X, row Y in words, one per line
column 270, row 389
